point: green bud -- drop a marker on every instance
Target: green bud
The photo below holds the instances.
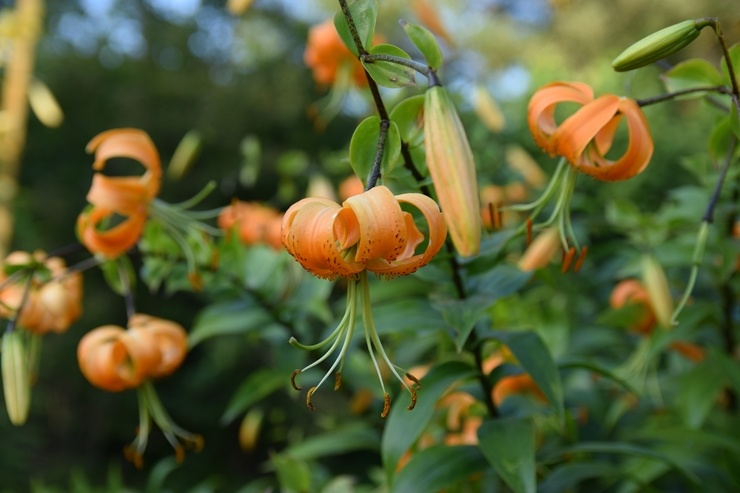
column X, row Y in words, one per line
column 16, row 380
column 659, row 45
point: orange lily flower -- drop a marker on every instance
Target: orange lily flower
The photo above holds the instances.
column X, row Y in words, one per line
column 516, row 384
column 587, row 135
column 125, row 196
column 54, row 296
column 254, row 223
column 368, row 232
column 326, row 54
column 114, row 359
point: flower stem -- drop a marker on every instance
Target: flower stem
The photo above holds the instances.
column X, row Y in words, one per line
column 405, row 62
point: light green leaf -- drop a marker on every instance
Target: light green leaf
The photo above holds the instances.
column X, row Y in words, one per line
column 256, row 387
column 735, row 58
column 409, row 116
column 364, row 14
column 509, row 446
column 691, row 74
column 536, row 360
column 293, row 475
column 721, row 138
column 425, row 42
column 600, row 370
column 404, row 427
column 114, row 269
column 336, row 442
column 390, row 74
column 364, row 146
column 437, row 468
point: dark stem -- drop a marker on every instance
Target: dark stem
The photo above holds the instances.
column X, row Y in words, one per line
column 709, row 213
column 26, row 290
column 672, row 95
column 728, row 61
column 419, row 67
column 374, row 175
column 127, row 293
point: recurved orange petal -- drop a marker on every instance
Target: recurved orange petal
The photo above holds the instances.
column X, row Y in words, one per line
column 104, row 360
column 169, row 339
column 578, row 130
column 122, row 195
column 409, row 262
column 111, row 242
column 541, row 110
column 129, row 143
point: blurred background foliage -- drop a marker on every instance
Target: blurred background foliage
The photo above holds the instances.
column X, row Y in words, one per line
column 173, row 66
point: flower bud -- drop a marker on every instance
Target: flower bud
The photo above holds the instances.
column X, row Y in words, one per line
column 658, row 45
column 44, row 104
column 657, row 287
column 16, row 381
column 452, row 168
column 541, row 251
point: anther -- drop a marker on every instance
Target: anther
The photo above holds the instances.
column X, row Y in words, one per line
column 309, row 394
column 292, row 379
column 568, row 259
column 179, row 454
column 529, row 231
column 413, row 398
column 337, row 380
column 386, row 405
column 414, row 379
column 581, row 258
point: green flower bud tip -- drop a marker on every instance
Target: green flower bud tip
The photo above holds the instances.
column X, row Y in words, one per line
column 658, row 45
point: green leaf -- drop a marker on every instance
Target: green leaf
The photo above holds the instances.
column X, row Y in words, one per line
column 229, row 317
column 256, row 387
column 536, row 360
column 403, row 427
column 390, row 74
column 567, row 476
column 721, row 138
column 425, row 42
column 620, row 448
column 734, row 51
column 734, row 121
column 691, row 74
column 509, row 446
column 364, row 146
column 364, row 13
column 336, row 442
column 114, row 269
column 438, row 467
column 159, row 474
column 293, row 475
column 600, row 370
column 698, row 390
column 462, row 315
column 409, row 116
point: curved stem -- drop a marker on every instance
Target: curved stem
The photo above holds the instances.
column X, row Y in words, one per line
column 672, row 95
column 405, row 62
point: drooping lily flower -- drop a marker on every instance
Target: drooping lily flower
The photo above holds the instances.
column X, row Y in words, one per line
column 114, row 359
column 326, row 55
column 368, row 232
column 124, row 197
column 254, row 223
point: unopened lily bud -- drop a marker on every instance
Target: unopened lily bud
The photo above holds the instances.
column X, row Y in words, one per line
column 656, row 284
column 249, row 429
column 16, row 380
column 659, row 45
column 452, row 168
column 541, row 251
column 523, row 163
column 488, row 110
column 186, row 153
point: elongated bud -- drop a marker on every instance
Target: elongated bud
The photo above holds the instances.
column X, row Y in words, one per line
column 541, row 251
column 44, row 104
column 452, row 168
column 659, row 45
column 488, row 110
column 657, row 287
column 16, row 381
column 185, row 155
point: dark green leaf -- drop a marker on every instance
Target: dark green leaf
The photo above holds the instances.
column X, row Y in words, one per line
column 735, row 57
column 595, row 368
column 437, row 468
column 536, row 360
column 120, row 275
column 256, row 387
column 698, row 390
column 364, row 146
column 568, row 476
column 364, row 13
column 425, row 42
column 404, row 427
column 336, row 442
column 720, row 139
column 390, row 74
column 293, row 475
column 509, row 446
column 229, row 317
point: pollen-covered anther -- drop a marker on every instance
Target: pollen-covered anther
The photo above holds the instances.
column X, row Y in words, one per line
column 292, row 380
column 568, row 258
column 131, row 455
column 581, row 258
column 413, row 379
column 386, row 405
column 413, row 398
column 529, row 231
column 337, row 380
column 309, row 394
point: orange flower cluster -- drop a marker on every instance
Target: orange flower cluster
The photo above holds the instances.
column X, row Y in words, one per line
column 326, row 54
column 254, row 223
column 585, row 137
column 114, row 359
column 367, row 232
column 53, row 295
column 114, row 221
